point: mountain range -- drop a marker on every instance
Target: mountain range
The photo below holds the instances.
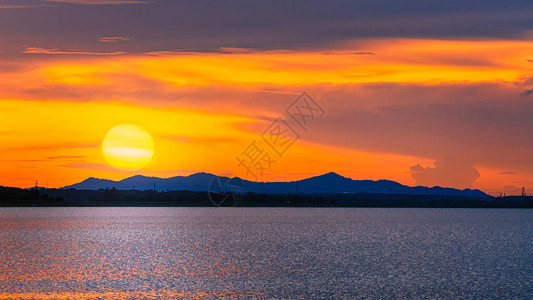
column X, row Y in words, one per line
column 327, row 183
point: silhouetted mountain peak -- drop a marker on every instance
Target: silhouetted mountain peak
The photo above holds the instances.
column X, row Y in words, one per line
column 137, row 177
column 327, row 178
column 95, row 179
column 201, row 175
column 332, row 175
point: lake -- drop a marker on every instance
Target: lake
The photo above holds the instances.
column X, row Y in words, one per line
column 265, row 253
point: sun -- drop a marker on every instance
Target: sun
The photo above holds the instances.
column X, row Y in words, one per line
column 128, row 147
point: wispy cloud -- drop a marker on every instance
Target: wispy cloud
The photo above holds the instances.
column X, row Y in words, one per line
column 168, row 52
column 100, row 2
column 52, row 147
column 79, row 2
column 36, row 50
column 220, row 50
column 202, row 140
column 25, row 160
column 93, row 166
column 15, row 6
column 279, row 92
column 348, row 53
column 507, row 173
column 235, row 50
column 107, row 168
column 10, row 6
column 113, row 39
column 65, row 157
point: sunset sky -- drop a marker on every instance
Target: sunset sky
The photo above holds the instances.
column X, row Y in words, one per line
column 420, row 92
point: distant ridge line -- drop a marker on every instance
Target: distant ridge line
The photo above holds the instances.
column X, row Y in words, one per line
column 326, row 183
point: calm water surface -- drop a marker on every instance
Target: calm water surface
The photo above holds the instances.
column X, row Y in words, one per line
column 265, row 253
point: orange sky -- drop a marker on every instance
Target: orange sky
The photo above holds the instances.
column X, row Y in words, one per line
column 203, row 109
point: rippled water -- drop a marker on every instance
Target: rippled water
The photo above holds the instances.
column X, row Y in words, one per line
column 248, row 253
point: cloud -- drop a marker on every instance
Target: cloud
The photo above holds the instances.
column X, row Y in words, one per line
column 448, row 172
column 527, row 92
column 26, row 160
column 252, row 26
column 507, row 173
column 530, row 60
column 11, row 6
column 528, row 81
column 169, row 52
column 65, row 157
column 235, row 50
column 181, row 52
column 100, row 2
column 93, row 166
column 430, row 121
column 14, row 6
column 426, row 120
column 60, row 146
column 35, row 50
column 348, row 53
column 221, row 50
column 113, row 39
column 206, row 141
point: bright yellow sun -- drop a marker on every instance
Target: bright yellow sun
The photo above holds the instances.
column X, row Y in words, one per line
column 128, row 147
